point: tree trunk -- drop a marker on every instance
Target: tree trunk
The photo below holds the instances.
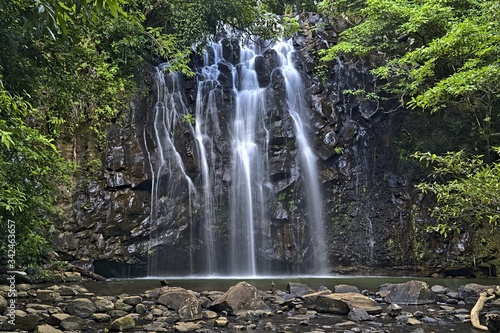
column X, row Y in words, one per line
column 474, row 313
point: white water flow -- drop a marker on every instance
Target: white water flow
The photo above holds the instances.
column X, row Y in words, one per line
column 206, row 127
column 169, row 107
column 249, row 167
column 235, row 194
column 307, row 159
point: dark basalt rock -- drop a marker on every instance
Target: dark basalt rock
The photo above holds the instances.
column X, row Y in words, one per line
column 367, row 197
column 242, row 296
column 493, row 322
column 265, row 65
column 411, row 292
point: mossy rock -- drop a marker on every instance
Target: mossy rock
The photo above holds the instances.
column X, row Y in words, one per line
column 122, row 323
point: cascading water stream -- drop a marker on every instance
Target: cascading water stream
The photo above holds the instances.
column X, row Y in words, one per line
column 249, row 168
column 167, row 111
column 250, row 193
column 206, row 127
column 297, row 108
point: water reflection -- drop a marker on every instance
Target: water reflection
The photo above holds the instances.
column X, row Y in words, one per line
column 200, row 284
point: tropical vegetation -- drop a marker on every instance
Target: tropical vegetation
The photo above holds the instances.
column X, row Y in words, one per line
column 440, row 58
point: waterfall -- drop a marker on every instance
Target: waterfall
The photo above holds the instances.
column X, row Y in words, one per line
column 167, row 171
column 232, row 194
column 249, row 166
column 298, row 109
column 206, row 127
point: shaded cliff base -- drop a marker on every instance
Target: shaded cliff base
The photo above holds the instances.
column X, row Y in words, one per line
column 418, row 271
column 123, row 270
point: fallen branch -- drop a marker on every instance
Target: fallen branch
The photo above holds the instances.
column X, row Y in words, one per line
column 483, row 298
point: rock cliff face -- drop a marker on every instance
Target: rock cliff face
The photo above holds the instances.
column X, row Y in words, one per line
column 135, row 212
column 368, row 199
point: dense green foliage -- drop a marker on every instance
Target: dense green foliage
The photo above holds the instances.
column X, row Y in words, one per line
column 55, row 15
column 29, row 164
column 434, row 55
column 429, row 54
column 53, row 79
column 467, row 191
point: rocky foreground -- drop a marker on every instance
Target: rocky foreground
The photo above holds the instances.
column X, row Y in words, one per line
column 72, row 308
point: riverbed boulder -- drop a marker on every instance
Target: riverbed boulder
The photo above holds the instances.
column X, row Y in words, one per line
column 69, row 290
column 186, row 326
column 74, row 323
column 141, row 309
column 47, row 329
column 42, row 308
column 413, row 321
column 100, row 317
column 132, row 300
column 394, row 310
column 183, row 301
column 470, row 292
column 103, row 305
column 208, row 314
column 3, row 304
column 56, row 318
column 221, row 322
column 345, row 288
column 23, row 321
column 242, row 296
column 411, row 292
column 156, row 326
column 80, row 307
column 340, row 303
column 439, row 290
column 122, row 323
column 358, row 315
column 47, row 295
column 298, row 289
column 117, row 313
column 121, row 305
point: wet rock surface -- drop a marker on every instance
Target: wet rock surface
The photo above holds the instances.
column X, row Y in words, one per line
column 241, row 297
column 411, row 292
column 163, row 310
column 108, row 218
